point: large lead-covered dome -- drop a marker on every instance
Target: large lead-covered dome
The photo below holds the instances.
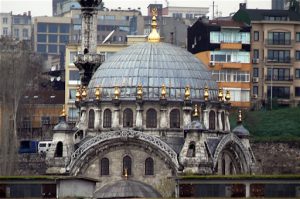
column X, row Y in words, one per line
column 152, row 65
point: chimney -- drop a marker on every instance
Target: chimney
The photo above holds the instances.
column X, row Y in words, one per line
column 29, row 13
column 243, row 6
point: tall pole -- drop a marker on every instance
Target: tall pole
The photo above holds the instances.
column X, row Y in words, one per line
column 271, row 87
column 213, row 12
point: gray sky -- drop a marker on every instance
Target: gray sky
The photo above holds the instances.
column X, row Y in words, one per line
column 44, row 7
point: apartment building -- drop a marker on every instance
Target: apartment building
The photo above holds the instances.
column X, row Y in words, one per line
column 275, row 53
column 224, row 46
column 72, row 77
column 17, row 27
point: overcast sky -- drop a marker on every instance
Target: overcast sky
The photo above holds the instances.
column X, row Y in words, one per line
column 44, row 7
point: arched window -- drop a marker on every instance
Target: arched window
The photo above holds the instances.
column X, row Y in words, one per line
column 151, row 118
column 91, row 119
column 128, row 118
column 191, row 150
column 175, row 118
column 223, row 166
column 104, row 166
column 127, row 165
column 59, row 149
column 149, row 166
column 212, row 120
column 223, row 120
column 107, row 118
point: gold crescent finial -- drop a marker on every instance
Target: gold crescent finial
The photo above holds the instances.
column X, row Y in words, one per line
column 187, row 92
column 117, row 92
column 154, row 37
column 163, row 91
column 97, row 93
column 83, row 94
column 220, row 96
column 227, row 96
column 78, row 94
column 196, row 111
column 139, row 91
column 206, row 93
column 63, row 112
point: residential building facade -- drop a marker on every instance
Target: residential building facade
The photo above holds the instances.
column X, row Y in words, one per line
column 17, row 27
column 275, row 53
column 224, row 47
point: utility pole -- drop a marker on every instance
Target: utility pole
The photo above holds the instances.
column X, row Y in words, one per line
column 213, row 12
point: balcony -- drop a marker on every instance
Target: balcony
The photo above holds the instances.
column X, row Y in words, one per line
column 279, row 61
column 279, row 78
column 284, row 43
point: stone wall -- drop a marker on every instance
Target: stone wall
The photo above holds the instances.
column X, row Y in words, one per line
column 277, row 157
column 31, row 164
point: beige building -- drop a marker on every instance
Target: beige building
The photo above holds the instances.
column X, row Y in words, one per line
column 275, row 52
column 72, row 78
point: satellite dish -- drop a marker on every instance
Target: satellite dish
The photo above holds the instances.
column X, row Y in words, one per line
column 108, row 36
column 52, row 79
column 58, row 78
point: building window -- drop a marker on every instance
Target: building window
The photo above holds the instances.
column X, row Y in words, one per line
column 74, row 75
column 127, row 165
column 297, row 36
column 279, row 38
column 175, row 118
column 223, row 120
column 59, row 149
column 279, row 74
column 212, row 120
column 231, row 76
column 4, row 20
column 256, row 54
column 72, row 55
column 52, row 38
column 26, row 123
column 64, row 38
column 72, row 94
column 297, row 91
column 64, row 28
column 73, row 114
column 297, row 55
column 297, row 73
column 151, row 119
column 127, row 118
column 256, row 36
column 45, row 120
column 52, row 48
column 104, row 166
column 255, row 72
column 42, row 27
column 91, row 119
column 107, row 118
column 42, row 48
column 149, row 166
column 279, row 56
column 41, row 38
column 5, row 31
column 25, row 33
column 279, row 92
column 16, row 20
column 16, row 33
column 53, row 28
column 255, row 90
column 191, row 150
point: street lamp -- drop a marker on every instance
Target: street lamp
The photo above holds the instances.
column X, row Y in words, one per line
column 271, row 61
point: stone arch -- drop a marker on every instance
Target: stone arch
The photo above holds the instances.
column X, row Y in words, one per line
column 127, row 118
column 174, row 117
column 59, row 149
column 107, row 118
column 212, row 120
column 91, row 120
column 111, row 139
column 233, row 145
column 149, row 166
column 151, row 118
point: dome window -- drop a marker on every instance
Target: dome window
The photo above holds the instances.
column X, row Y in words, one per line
column 191, row 150
column 127, row 165
column 151, row 119
column 212, row 120
column 175, row 119
column 107, row 118
column 149, row 166
column 128, row 118
column 91, row 119
column 59, row 149
column 104, row 166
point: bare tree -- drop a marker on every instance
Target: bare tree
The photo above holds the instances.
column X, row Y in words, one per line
column 19, row 68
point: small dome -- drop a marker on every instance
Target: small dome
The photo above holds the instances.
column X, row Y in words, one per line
column 241, row 131
column 152, row 65
column 62, row 126
column 127, row 189
column 195, row 125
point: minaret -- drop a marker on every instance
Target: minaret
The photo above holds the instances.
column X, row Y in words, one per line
column 88, row 60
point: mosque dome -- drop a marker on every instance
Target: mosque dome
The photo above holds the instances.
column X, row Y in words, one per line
column 151, row 65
